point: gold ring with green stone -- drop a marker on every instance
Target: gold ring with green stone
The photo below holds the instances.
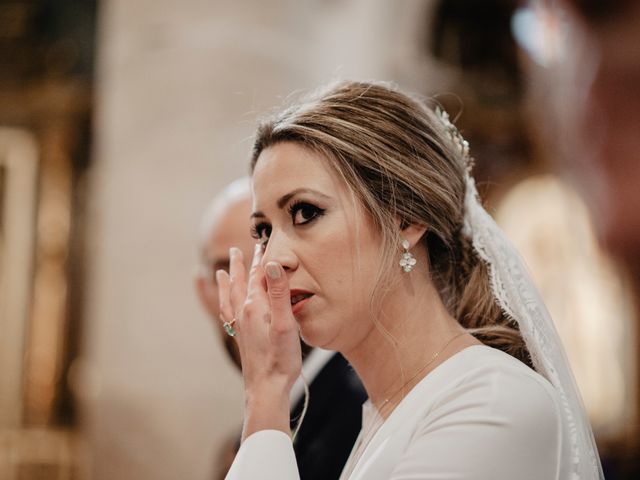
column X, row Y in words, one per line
column 228, row 327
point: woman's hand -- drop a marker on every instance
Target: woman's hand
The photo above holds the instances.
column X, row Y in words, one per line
column 267, row 335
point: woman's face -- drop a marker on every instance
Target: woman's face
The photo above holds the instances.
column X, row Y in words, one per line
column 308, row 221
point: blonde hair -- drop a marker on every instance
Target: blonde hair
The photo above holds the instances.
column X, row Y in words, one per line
column 394, row 154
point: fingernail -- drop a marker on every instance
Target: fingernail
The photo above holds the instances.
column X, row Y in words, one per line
column 273, row 270
column 257, row 248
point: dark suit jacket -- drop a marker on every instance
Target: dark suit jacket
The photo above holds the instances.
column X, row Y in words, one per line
column 332, row 422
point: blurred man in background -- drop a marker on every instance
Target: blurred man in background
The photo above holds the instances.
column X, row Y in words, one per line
column 333, row 418
column 225, row 224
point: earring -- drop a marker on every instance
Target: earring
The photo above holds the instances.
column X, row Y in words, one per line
column 407, row 261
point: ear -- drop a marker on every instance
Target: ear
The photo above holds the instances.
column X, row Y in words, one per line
column 413, row 233
column 203, row 290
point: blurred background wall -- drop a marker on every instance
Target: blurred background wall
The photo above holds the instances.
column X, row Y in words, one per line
column 120, row 120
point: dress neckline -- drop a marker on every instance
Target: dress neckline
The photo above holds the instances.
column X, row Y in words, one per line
column 436, row 372
column 370, row 415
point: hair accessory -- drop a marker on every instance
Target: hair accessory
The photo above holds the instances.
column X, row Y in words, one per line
column 454, row 134
column 407, row 261
column 228, row 327
column 515, row 292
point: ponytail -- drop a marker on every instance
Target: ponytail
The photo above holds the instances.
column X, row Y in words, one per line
column 464, row 284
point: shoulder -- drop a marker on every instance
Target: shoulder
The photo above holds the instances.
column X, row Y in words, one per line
column 516, row 378
column 497, row 414
column 487, row 380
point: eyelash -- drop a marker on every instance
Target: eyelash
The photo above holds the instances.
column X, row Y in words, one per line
column 299, row 206
column 262, row 231
column 258, row 231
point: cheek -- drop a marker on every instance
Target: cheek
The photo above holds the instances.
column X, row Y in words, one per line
column 352, row 270
column 333, row 267
column 345, row 261
column 332, row 263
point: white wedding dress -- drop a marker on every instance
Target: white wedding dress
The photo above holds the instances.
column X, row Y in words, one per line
column 480, row 415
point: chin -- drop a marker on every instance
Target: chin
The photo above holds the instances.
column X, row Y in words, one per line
column 311, row 339
column 314, row 337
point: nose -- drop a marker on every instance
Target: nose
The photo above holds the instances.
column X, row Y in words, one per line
column 280, row 249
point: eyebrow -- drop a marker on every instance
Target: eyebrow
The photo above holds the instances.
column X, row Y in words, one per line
column 282, row 201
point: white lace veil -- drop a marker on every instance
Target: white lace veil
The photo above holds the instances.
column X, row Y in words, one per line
column 517, row 295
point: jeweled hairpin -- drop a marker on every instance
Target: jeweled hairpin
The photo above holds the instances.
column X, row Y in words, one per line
column 453, row 132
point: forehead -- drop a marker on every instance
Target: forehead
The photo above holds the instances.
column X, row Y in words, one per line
column 229, row 225
column 287, row 166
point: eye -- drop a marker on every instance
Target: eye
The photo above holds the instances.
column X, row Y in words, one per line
column 261, row 232
column 303, row 213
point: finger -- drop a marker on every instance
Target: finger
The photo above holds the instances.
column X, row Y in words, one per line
column 282, row 319
column 224, row 289
column 238, row 275
column 256, row 275
column 257, row 255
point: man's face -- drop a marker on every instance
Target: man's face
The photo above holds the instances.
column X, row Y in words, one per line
column 229, row 228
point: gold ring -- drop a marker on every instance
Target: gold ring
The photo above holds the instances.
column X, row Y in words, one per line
column 228, row 327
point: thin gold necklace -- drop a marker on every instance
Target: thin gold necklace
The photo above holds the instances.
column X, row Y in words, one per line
column 365, row 437
column 422, row 369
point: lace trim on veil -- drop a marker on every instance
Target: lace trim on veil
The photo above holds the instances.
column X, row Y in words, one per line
column 516, row 294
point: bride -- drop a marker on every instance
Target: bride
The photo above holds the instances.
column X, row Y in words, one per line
column 371, row 242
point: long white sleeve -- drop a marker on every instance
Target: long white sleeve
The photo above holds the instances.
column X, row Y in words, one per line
column 265, row 455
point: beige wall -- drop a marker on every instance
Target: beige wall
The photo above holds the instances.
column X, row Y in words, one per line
column 180, row 84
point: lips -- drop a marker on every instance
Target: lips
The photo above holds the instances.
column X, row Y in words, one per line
column 299, row 299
